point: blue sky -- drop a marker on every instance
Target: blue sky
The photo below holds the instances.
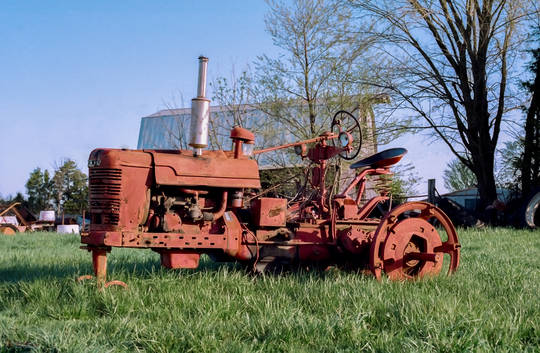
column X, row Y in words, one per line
column 76, row 75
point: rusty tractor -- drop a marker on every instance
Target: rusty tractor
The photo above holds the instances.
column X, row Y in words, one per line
column 182, row 203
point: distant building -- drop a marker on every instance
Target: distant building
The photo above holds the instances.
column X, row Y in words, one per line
column 163, row 130
column 169, row 129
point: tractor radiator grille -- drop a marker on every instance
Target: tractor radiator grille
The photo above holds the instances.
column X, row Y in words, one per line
column 114, row 175
column 104, row 189
column 105, row 186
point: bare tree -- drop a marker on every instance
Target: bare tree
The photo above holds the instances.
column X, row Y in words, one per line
column 177, row 133
column 317, row 71
column 235, row 107
column 452, row 64
column 234, row 96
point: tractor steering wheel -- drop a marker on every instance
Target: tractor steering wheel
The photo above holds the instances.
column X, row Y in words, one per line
column 345, row 122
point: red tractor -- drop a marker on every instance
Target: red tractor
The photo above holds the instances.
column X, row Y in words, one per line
column 182, row 204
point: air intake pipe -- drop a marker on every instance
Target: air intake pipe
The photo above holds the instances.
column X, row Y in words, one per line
column 200, row 112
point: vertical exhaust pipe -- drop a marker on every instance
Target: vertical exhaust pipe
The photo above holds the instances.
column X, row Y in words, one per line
column 200, row 112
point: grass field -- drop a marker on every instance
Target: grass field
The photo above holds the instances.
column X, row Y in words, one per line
column 491, row 304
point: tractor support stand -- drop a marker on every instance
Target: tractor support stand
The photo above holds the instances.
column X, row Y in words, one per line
column 99, row 263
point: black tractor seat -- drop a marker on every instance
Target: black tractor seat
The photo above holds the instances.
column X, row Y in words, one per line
column 381, row 159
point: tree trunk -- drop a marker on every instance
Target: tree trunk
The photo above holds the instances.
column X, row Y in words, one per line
column 312, row 118
column 485, row 176
column 486, row 184
column 529, row 172
column 483, row 156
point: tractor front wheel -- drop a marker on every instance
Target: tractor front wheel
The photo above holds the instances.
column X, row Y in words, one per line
column 407, row 244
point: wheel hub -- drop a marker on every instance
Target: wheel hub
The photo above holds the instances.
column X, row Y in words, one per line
column 407, row 249
column 411, row 247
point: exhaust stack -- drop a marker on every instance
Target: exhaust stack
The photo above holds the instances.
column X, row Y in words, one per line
column 200, row 112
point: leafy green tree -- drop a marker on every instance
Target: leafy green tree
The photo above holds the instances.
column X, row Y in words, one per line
column 403, row 182
column 511, row 160
column 39, row 189
column 9, row 199
column 458, row 176
column 520, row 158
column 318, row 71
column 70, row 188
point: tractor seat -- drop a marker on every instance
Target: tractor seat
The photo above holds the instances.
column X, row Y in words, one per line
column 381, row 159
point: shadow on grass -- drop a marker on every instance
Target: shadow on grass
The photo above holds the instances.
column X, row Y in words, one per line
column 149, row 267
column 144, row 268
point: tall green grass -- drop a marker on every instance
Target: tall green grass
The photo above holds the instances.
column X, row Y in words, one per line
column 491, row 304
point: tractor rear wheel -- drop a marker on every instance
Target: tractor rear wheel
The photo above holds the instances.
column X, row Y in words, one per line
column 8, row 229
column 407, row 245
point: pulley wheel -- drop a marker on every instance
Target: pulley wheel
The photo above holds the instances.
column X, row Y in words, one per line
column 407, row 245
